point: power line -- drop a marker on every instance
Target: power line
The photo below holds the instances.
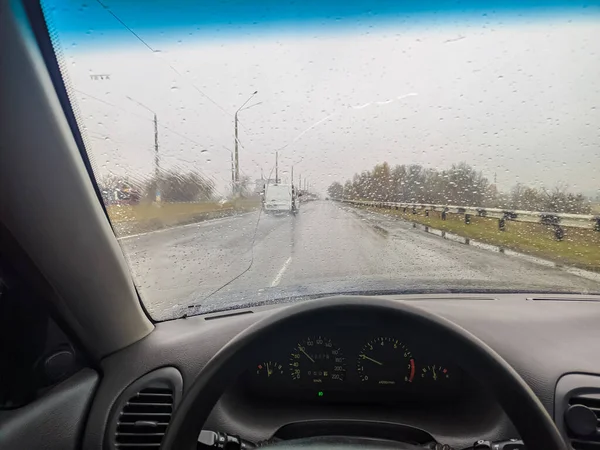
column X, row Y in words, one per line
column 162, row 125
column 174, row 69
column 147, row 119
column 139, row 38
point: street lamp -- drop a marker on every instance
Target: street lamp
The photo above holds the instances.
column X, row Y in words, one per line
column 237, row 162
column 156, row 155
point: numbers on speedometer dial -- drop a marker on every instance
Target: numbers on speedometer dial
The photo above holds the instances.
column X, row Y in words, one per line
column 385, row 361
column 317, row 360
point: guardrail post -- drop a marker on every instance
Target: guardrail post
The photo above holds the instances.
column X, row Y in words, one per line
column 426, row 213
column 502, row 224
column 559, row 233
column 467, row 219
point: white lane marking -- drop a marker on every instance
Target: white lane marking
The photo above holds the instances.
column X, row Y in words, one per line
column 277, row 279
column 195, row 224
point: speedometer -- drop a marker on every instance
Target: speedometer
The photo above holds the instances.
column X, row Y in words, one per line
column 317, row 360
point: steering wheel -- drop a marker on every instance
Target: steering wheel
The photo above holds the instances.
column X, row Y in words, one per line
column 526, row 412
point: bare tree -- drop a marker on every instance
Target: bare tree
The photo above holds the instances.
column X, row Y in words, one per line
column 183, row 187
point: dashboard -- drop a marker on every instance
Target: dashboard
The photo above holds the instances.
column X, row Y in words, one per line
column 543, row 338
column 354, row 362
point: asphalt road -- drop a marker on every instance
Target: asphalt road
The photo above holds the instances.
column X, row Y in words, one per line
column 327, row 248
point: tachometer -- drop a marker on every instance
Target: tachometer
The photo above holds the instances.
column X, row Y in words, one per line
column 317, row 360
column 385, row 361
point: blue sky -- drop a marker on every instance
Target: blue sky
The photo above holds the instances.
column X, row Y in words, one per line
column 158, row 18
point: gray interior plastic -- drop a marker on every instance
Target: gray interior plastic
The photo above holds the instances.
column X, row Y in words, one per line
column 55, row 421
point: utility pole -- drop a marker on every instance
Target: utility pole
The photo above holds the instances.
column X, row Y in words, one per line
column 292, row 175
column 299, row 181
column 157, row 195
column 237, row 160
column 276, row 167
column 232, row 173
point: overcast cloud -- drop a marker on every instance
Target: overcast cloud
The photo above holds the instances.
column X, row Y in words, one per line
column 518, row 100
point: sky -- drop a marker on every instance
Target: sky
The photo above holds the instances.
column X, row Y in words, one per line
column 341, row 87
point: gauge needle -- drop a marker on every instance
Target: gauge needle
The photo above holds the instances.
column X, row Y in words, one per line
column 434, row 374
column 306, row 354
column 370, row 359
column 269, row 371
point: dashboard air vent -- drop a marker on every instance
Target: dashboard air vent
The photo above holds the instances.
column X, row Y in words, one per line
column 142, row 414
column 144, row 419
column 581, row 417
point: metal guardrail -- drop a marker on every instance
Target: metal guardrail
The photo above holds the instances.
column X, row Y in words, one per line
column 555, row 220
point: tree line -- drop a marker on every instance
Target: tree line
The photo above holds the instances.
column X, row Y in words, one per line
column 173, row 186
column 460, row 185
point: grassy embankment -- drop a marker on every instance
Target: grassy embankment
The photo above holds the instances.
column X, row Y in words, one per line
column 579, row 248
column 131, row 219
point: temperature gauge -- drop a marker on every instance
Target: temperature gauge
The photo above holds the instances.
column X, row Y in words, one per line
column 269, row 369
column 435, row 373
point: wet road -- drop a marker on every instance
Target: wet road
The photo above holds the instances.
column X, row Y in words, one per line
column 327, row 248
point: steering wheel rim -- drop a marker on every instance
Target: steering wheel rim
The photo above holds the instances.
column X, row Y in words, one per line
column 519, row 402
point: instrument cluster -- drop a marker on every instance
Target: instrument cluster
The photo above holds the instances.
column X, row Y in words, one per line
column 355, row 363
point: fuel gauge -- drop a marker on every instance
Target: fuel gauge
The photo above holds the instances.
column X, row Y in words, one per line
column 269, row 369
column 435, row 373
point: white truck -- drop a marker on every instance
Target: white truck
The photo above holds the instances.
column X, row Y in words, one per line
column 280, row 199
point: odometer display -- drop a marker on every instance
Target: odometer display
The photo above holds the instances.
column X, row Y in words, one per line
column 317, row 360
column 385, row 361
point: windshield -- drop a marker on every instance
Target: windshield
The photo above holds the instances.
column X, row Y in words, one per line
column 420, row 147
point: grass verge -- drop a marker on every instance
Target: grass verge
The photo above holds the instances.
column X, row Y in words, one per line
column 141, row 218
column 579, row 248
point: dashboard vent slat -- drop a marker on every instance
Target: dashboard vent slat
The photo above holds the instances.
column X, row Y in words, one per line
column 584, row 438
column 141, row 416
column 141, row 423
